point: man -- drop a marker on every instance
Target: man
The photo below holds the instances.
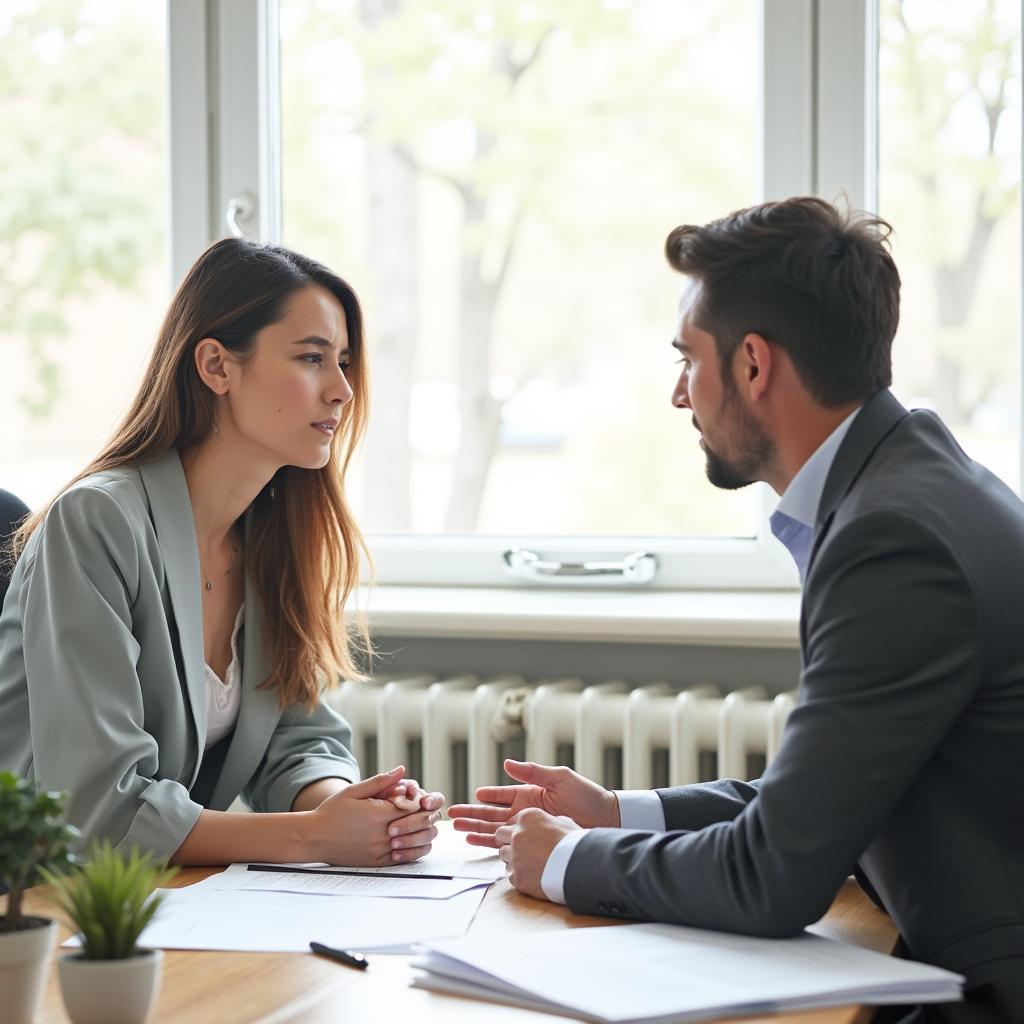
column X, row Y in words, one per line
column 904, row 757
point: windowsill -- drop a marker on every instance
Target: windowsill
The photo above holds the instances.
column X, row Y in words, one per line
column 719, row 618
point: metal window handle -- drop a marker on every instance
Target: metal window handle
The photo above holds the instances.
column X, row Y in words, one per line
column 239, row 208
column 639, row 567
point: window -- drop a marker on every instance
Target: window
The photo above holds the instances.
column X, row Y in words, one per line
column 497, row 181
column 949, row 180
column 83, row 273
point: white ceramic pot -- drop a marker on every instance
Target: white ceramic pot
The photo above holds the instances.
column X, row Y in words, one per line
column 110, row 991
column 24, row 962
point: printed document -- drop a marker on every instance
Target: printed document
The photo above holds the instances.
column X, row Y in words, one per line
column 320, row 879
column 657, row 972
column 199, row 917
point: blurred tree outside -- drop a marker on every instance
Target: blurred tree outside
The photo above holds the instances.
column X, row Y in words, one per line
column 539, row 130
column 497, row 178
column 82, row 191
column 950, row 182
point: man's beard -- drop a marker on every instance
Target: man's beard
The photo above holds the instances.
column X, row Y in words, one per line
column 754, row 448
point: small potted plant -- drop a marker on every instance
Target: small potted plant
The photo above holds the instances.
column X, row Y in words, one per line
column 33, row 836
column 109, row 900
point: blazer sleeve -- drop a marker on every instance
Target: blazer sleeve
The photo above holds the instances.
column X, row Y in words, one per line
column 304, row 747
column 891, row 657
column 703, row 804
column 85, row 700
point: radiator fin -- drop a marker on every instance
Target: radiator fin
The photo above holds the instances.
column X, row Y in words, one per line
column 453, row 734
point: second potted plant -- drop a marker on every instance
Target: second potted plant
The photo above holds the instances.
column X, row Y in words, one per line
column 109, row 900
column 33, row 836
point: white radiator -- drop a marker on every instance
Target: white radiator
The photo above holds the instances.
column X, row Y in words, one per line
column 452, row 734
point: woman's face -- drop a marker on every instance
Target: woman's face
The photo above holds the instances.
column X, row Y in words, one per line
column 285, row 400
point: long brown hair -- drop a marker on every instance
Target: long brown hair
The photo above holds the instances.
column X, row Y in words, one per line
column 304, row 545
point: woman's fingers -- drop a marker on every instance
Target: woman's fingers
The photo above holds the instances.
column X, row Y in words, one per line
column 413, row 845
column 412, row 823
column 480, row 812
column 431, row 801
column 376, row 785
column 405, row 803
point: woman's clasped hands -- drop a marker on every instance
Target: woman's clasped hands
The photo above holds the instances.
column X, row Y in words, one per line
column 386, row 819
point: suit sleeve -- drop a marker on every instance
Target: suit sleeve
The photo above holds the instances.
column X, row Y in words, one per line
column 703, row 804
column 305, row 747
column 85, row 700
column 891, row 657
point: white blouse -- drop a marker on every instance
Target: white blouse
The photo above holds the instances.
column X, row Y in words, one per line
column 224, row 696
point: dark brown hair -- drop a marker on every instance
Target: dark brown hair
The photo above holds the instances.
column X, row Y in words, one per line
column 817, row 282
column 304, row 546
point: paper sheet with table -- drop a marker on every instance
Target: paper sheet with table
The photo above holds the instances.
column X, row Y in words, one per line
column 659, row 972
column 382, row 909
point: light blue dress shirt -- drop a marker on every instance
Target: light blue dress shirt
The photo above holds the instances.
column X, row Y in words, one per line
column 792, row 523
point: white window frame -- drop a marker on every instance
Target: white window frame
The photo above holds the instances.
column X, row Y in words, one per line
column 224, row 73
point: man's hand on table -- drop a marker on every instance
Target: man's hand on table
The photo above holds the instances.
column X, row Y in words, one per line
column 526, row 842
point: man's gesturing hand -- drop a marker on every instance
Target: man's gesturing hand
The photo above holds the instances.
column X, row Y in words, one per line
column 558, row 791
column 525, row 844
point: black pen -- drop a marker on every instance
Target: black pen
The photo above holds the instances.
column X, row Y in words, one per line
column 360, row 963
column 340, row 871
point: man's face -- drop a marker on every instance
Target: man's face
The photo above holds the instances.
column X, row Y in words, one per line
column 734, row 442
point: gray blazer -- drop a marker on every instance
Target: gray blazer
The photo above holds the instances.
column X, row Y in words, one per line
column 905, row 753
column 102, row 689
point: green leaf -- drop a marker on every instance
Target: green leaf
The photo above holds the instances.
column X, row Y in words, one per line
column 33, row 838
column 109, row 899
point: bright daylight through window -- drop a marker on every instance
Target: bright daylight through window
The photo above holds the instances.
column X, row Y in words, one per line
column 949, row 181
column 497, row 180
column 83, row 226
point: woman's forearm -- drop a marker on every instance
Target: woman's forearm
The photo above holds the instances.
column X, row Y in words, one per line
column 227, row 837
column 310, row 797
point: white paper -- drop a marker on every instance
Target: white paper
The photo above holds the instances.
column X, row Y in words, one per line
column 200, row 917
column 239, row 877
column 450, row 854
column 654, row 972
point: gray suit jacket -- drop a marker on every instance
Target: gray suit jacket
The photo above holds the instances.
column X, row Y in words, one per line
column 905, row 752
column 101, row 672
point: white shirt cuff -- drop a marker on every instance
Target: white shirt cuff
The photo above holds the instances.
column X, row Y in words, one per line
column 641, row 809
column 552, row 881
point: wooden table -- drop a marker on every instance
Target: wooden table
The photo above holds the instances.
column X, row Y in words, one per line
column 297, row 988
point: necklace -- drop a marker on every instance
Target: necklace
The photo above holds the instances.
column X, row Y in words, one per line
column 208, row 585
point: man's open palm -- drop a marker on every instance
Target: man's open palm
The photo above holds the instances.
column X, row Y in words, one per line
column 559, row 791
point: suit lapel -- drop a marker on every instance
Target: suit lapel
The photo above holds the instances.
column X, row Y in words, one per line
column 880, row 414
column 171, row 510
column 259, row 712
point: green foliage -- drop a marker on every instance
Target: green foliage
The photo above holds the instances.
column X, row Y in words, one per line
column 110, row 899
column 33, row 837
column 81, row 169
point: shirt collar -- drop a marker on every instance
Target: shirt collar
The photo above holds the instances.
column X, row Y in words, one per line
column 801, row 498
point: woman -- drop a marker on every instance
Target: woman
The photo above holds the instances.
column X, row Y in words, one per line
column 177, row 609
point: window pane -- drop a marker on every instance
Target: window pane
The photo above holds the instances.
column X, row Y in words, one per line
column 497, row 179
column 950, row 148
column 83, row 275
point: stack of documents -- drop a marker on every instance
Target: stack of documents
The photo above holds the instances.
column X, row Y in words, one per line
column 283, row 907
column 664, row 973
